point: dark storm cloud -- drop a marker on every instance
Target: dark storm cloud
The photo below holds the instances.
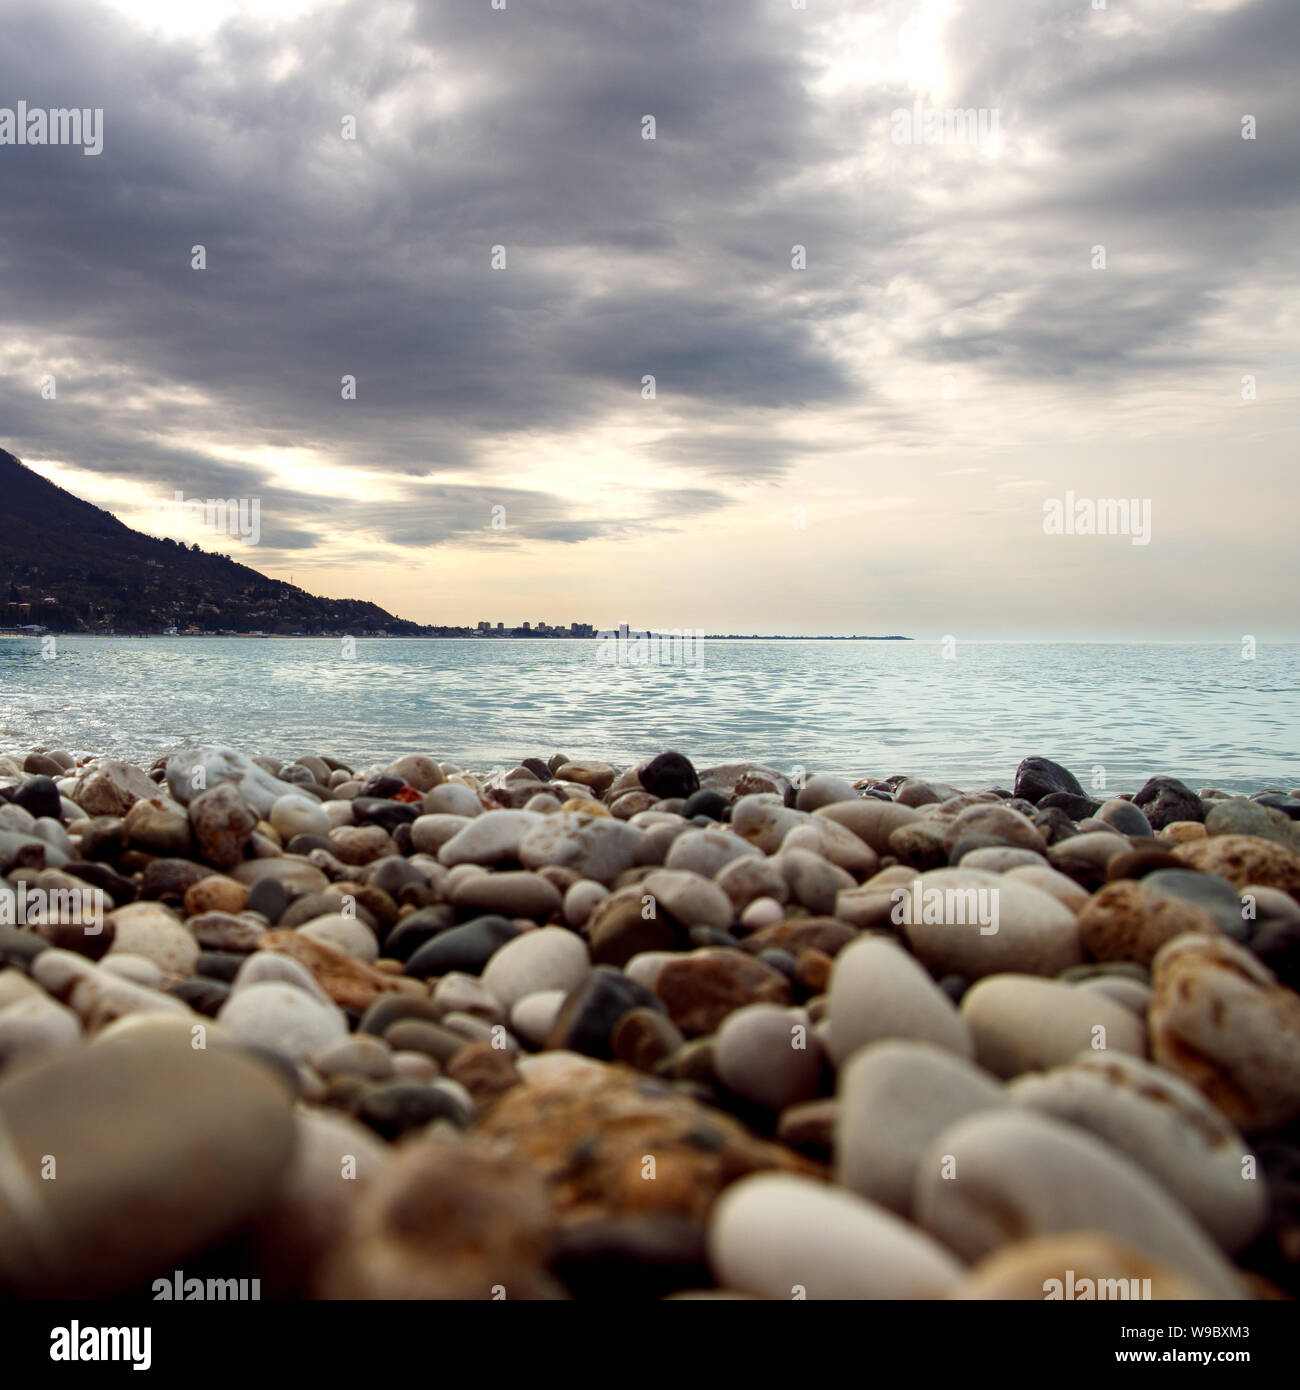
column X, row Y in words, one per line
column 328, row 258
column 626, row 257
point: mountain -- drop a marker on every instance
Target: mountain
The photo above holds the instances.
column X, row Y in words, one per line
column 72, row 567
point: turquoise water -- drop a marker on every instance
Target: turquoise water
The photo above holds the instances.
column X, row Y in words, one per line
column 1199, row 712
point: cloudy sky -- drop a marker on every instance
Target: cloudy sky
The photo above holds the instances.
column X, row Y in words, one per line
column 862, row 445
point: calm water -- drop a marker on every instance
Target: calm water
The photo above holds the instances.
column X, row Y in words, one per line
column 1199, row 712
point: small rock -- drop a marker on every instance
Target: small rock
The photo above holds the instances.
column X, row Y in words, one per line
column 150, row 930
column 699, row 989
column 111, row 788
column 1125, row 817
column 588, row 1129
column 598, row 776
column 533, row 1015
column 1039, row 777
column 519, row 894
column 766, row 1054
column 668, row 775
column 282, row 1019
column 587, row 1019
column 549, row 959
column 346, row 934
column 1164, row 800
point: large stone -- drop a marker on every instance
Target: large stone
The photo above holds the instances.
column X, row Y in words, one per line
column 895, row 1098
column 164, row 1151
column 871, row 821
column 1129, row 920
column 294, row 814
column 158, row 827
column 1238, row 815
column 1165, row 1126
column 1001, row 1175
column 347, row 934
column 1003, row 824
column 592, row 1010
column 350, row 983
column 768, row 1055
column 1022, row 1023
column 622, row 926
column 707, row 852
column 765, row 821
column 879, row 991
column 824, row 789
column 598, row 776
column 466, row 948
column 588, row 1131
column 1243, row 860
column 970, row 923
column 417, row 771
column 1220, row 1020
column 35, row 1026
column 782, row 1236
column 448, row 1220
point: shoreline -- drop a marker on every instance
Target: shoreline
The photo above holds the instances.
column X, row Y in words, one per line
column 507, row 994
column 467, row 636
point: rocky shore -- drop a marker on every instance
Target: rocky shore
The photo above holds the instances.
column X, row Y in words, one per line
column 572, row 1030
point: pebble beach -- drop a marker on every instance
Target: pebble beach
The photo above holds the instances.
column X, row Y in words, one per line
column 572, row 1030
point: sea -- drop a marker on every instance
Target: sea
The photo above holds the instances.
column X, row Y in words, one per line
column 1214, row 715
